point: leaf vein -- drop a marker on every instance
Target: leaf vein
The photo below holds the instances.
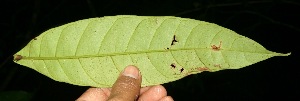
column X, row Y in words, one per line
column 126, row 53
column 42, row 39
column 64, row 71
column 189, row 35
column 83, row 33
column 59, row 38
column 87, row 73
column 114, row 64
column 200, row 58
column 133, row 33
column 155, row 33
column 155, row 66
column 233, row 42
column 47, row 68
column 107, row 33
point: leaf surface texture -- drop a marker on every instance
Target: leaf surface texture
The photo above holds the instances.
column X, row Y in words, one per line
column 92, row 52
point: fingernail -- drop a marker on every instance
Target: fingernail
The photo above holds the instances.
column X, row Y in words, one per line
column 131, row 71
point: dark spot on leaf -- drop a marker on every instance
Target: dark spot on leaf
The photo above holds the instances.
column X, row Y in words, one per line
column 173, row 65
column 35, row 38
column 17, row 57
column 181, row 70
column 174, row 40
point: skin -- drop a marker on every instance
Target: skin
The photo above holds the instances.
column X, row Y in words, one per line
column 127, row 88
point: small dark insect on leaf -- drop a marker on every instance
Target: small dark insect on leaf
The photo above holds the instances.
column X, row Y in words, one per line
column 17, row 57
column 35, row 38
column 174, row 40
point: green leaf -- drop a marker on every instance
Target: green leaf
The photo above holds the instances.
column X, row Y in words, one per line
column 92, row 52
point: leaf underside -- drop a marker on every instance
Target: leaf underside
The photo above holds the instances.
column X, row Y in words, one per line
column 92, row 52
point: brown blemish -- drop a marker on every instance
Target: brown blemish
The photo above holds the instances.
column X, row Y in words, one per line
column 17, row 57
column 174, row 40
column 200, row 69
column 217, row 65
column 35, row 38
column 216, row 48
column 203, row 69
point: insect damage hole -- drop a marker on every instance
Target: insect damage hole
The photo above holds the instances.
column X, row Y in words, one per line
column 216, row 48
column 174, row 40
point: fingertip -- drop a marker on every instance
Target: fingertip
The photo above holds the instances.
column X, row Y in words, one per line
column 93, row 94
column 127, row 86
column 154, row 93
column 145, row 89
column 167, row 98
column 159, row 89
column 131, row 71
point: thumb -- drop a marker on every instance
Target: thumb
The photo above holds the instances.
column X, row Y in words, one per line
column 127, row 86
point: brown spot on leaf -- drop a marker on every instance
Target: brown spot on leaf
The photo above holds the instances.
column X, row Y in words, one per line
column 216, row 48
column 35, row 38
column 203, row 69
column 217, row 65
column 200, row 69
column 17, row 57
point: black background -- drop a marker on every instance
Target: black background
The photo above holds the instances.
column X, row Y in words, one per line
column 272, row 23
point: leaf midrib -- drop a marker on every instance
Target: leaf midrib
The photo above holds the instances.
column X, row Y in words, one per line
column 134, row 52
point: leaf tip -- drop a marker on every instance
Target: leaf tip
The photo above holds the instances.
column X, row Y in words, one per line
column 287, row 54
column 283, row 54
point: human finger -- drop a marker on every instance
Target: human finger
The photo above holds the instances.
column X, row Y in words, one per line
column 127, row 86
column 154, row 93
column 166, row 98
column 95, row 94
